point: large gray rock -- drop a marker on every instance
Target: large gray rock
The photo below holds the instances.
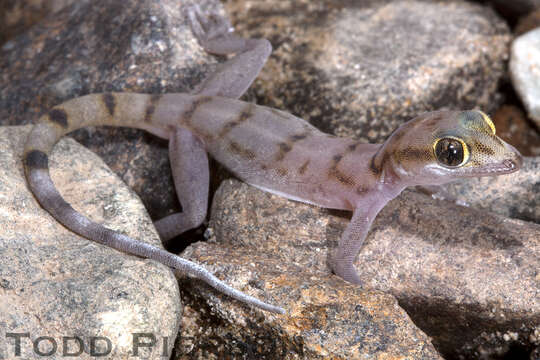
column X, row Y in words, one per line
column 362, row 68
column 101, row 45
column 457, row 271
column 525, row 71
column 57, row 284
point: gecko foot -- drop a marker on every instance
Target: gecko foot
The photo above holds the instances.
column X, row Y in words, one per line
column 208, row 27
column 345, row 270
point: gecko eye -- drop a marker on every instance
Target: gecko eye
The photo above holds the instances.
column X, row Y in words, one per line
column 451, row 151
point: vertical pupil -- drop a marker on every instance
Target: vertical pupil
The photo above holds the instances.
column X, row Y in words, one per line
column 451, row 153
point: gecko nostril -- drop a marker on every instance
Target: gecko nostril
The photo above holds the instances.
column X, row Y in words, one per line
column 510, row 164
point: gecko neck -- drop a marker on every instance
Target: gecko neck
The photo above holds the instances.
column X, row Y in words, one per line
column 392, row 179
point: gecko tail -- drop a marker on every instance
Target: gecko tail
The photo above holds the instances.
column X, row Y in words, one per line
column 40, row 142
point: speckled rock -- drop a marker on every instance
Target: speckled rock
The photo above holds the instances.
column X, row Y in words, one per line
column 525, row 71
column 327, row 318
column 363, row 68
column 509, row 345
column 101, row 45
column 16, row 16
column 54, row 283
column 513, row 127
column 457, row 271
column 514, row 195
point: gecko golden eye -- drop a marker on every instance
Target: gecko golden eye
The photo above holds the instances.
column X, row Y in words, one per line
column 451, row 151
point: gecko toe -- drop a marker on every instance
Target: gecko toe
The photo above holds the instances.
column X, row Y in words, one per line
column 209, row 26
column 217, row 25
column 193, row 15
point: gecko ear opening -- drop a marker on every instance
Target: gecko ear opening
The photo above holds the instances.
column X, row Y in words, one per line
column 451, row 151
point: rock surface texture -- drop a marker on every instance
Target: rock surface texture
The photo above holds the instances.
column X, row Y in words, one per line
column 326, row 317
column 514, row 127
column 515, row 195
column 362, row 69
column 56, row 284
column 457, row 271
column 525, row 71
column 16, row 16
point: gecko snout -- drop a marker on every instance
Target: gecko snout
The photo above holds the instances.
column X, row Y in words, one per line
column 515, row 155
column 513, row 160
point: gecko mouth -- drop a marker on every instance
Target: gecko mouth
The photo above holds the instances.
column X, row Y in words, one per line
column 506, row 166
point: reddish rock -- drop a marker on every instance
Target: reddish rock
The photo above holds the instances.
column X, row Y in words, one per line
column 527, row 23
column 512, row 126
column 326, row 317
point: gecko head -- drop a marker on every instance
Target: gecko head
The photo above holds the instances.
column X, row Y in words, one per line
column 442, row 146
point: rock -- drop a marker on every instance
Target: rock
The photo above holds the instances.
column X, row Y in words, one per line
column 515, row 195
column 320, row 323
column 54, row 283
column 509, row 345
column 362, row 69
column 101, row 45
column 528, row 23
column 458, row 272
column 525, row 71
column 16, row 16
column 512, row 126
column 515, row 8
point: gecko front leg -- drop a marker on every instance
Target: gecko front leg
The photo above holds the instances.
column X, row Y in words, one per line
column 352, row 239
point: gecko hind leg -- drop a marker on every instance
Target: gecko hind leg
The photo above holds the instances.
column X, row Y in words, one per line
column 189, row 165
column 209, row 29
column 232, row 78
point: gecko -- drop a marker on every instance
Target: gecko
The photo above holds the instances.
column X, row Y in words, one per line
column 267, row 148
